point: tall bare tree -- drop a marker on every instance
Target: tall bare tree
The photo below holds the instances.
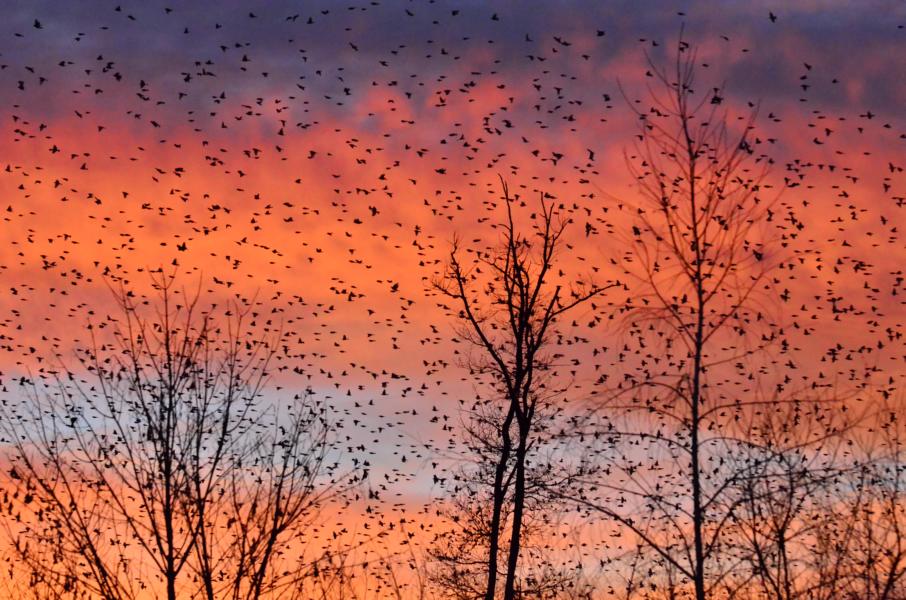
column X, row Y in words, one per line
column 509, row 303
column 698, row 314
column 159, row 463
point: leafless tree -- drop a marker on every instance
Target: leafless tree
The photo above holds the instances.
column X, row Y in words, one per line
column 859, row 549
column 822, row 521
column 715, row 473
column 794, row 461
column 161, row 463
column 509, row 302
column 700, row 310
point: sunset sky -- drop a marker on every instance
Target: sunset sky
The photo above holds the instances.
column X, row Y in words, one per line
column 322, row 155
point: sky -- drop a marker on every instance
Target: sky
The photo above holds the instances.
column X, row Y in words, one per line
column 322, row 156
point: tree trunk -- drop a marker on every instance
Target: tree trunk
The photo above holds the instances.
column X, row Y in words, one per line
column 518, row 506
column 497, row 509
column 694, row 450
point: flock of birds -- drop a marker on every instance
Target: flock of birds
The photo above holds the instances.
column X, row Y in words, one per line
column 322, row 158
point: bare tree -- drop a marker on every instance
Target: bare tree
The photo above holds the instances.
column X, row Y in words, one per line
column 822, row 521
column 794, row 461
column 716, row 474
column 858, row 549
column 509, row 304
column 699, row 312
column 694, row 254
column 160, row 463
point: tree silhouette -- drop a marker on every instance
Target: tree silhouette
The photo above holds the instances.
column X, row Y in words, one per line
column 858, row 542
column 699, row 314
column 160, row 464
column 509, row 303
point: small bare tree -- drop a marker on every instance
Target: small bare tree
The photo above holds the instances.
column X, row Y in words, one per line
column 794, row 461
column 509, row 304
column 859, row 549
column 160, row 464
